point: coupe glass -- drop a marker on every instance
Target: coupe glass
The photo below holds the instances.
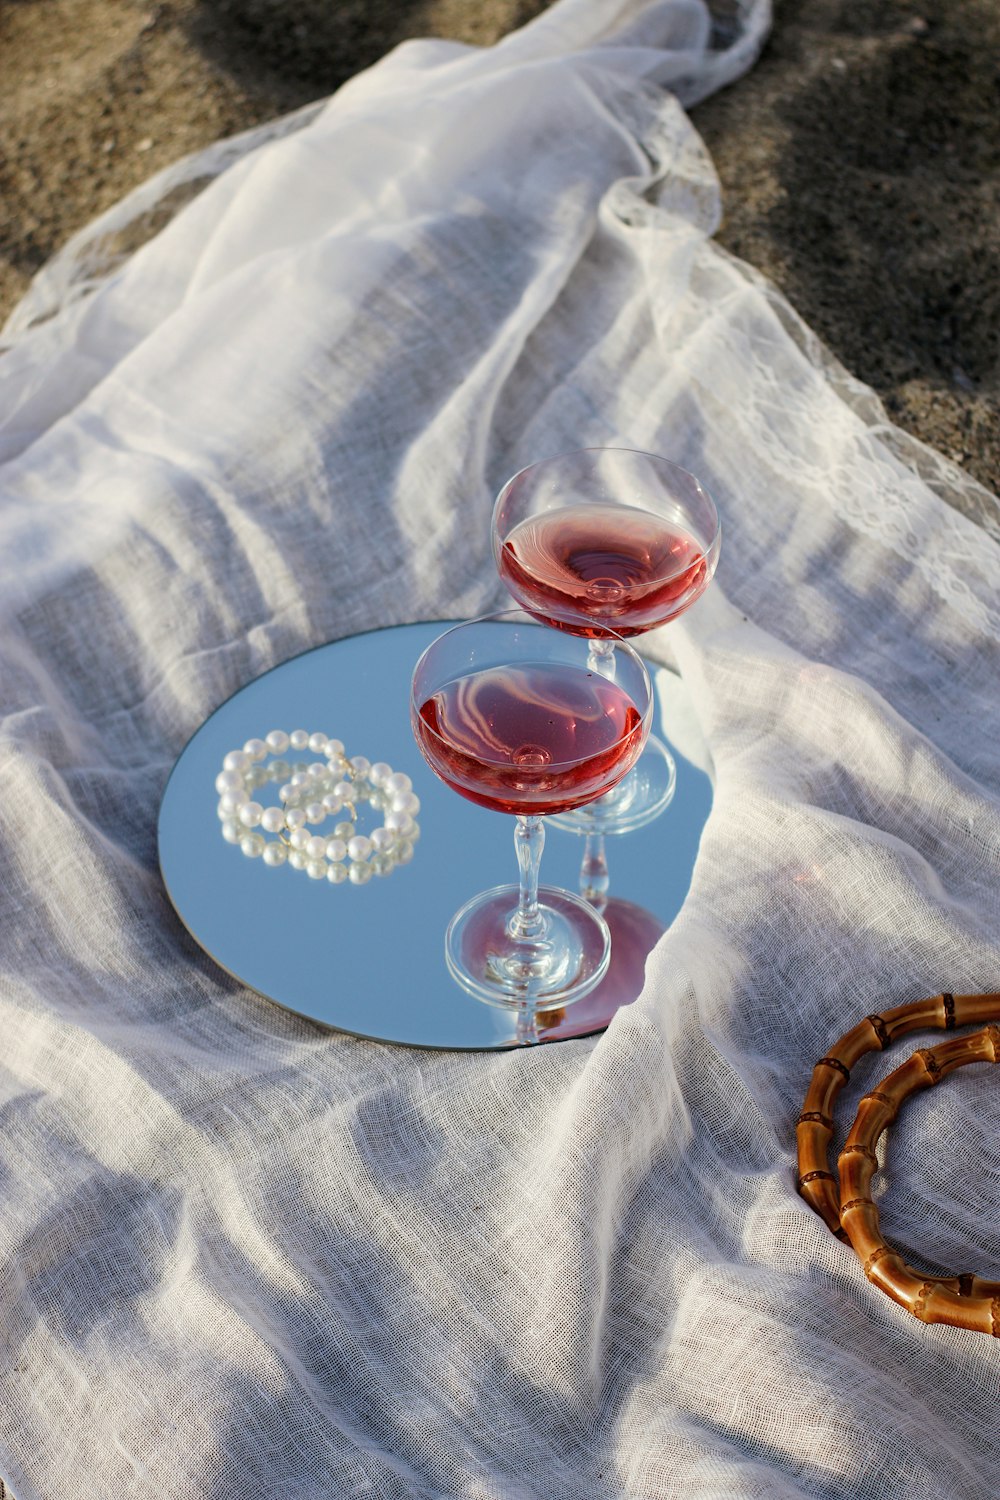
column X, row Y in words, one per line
column 514, row 717
column 608, row 542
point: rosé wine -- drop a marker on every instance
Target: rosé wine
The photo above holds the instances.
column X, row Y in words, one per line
column 624, row 569
column 530, row 739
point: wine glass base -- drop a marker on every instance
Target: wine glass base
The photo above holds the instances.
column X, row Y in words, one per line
column 639, row 797
column 550, row 973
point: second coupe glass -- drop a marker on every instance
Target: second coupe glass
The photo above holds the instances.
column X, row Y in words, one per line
column 608, row 542
column 619, row 540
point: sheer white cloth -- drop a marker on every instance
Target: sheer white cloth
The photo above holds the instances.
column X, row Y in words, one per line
column 243, row 1258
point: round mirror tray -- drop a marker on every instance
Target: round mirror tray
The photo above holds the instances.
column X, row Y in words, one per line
column 369, row 958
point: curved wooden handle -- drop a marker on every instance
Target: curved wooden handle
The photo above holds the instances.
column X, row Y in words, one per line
column 816, row 1183
column 962, row 1301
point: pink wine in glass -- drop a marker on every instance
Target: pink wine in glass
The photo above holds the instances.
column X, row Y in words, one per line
column 625, row 569
column 530, row 739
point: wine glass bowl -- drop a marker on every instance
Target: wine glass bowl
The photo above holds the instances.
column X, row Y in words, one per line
column 514, row 717
column 532, row 737
column 605, row 540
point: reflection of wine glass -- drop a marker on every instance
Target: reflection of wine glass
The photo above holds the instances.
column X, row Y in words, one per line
column 605, row 542
column 515, row 718
column 634, row 931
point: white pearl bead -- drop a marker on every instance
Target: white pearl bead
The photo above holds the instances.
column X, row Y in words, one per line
column 308, row 793
column 406, row 802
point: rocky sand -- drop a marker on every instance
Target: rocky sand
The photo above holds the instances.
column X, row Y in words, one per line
column 860, row 159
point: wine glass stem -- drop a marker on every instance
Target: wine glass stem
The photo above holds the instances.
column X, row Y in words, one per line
column 526, row 1034
column 594, row 878
column 527, row 923
column 601, row 658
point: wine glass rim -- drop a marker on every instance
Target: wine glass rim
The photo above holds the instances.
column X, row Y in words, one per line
column 521, row 617
column 657, row 458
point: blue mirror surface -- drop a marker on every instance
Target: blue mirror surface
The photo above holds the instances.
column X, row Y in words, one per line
column 369, row 959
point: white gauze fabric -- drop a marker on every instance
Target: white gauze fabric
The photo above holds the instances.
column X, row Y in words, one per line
column 241, row 1256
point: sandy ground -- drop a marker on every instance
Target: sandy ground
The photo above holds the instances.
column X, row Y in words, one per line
column 860, row 159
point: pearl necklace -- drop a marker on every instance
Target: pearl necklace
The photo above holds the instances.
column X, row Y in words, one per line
column 311, row 792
